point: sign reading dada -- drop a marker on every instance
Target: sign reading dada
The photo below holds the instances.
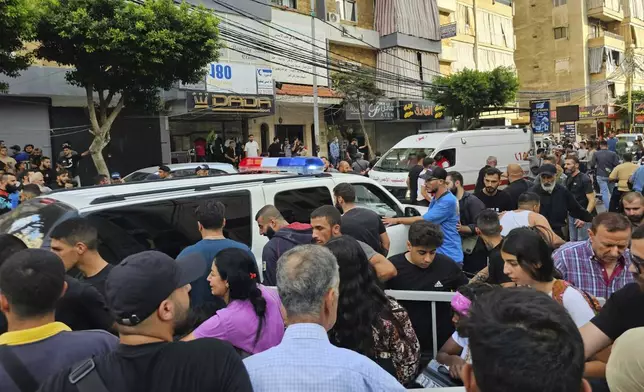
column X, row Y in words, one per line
column 231, row 103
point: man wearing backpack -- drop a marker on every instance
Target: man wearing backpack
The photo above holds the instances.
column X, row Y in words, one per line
column 36, row 346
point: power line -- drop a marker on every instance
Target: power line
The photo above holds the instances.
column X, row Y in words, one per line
column 344, row 32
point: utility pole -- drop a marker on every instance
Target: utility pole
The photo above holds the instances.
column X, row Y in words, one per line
column 476, row 37
column 316, row 111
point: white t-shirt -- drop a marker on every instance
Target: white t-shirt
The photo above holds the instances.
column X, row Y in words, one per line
column 252, row 149
column 577, row 306
column 465, row 343
column 421, row 185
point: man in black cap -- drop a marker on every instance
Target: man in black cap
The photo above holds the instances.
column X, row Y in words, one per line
column 443, row 210
column 164, row 172
column 202, row 170
column 556, row 201
column 148, row 295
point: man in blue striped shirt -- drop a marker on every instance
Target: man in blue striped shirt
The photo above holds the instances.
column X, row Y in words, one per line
column 307, row 280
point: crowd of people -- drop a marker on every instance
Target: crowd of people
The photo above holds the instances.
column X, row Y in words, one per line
column 543, row 284
column 26, row 173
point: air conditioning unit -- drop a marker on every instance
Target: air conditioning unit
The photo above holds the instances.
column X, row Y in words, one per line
column 333, row 17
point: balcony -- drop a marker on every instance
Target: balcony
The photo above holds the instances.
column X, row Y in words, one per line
column 608, row 39
column 605, row 10
column 448, row 6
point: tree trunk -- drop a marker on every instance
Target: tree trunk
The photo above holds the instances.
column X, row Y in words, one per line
column 364, row 131
column 101, row 126
column 96, row 150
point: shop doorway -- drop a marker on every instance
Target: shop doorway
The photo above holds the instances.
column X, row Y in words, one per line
column 289, row 132
column 264, row 136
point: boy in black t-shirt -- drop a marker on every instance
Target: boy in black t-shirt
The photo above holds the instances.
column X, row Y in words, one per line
column 422, row 269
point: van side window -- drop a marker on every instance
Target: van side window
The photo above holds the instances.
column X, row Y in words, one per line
column 449, row 154
column 167, row 226
column 373, row 198
column 297, row 205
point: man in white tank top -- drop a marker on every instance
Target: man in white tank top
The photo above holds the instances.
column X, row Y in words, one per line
column 528, row 216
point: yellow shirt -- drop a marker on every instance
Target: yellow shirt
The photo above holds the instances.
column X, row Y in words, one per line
column 622, row 173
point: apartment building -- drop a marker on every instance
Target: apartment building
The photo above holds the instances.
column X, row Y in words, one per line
column 575, row 51
column 477, row 34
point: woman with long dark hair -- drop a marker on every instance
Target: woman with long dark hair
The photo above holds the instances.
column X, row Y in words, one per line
column 251, row 320
column 528, row 262
column 368, row 321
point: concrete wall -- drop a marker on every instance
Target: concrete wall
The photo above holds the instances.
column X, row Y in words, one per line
column 25, row 121
column 360, row 55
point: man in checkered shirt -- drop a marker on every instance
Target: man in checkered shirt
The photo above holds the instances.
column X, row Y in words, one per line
column 599, row 265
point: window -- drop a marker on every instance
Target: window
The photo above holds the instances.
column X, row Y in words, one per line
column 373, row 198
column 347, row 9
column 297, row 205
column 558, row 3
column 32, row 221
column 167, row 226
column 400, row 159
column 285, row 3
column 449, row 155
column 561, row 32
column 611, row 90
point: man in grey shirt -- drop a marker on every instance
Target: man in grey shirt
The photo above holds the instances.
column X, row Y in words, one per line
column 604, row 161
column 536, row 162
column 360, row 165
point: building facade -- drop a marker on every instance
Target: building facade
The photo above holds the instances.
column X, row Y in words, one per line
column 574, row 52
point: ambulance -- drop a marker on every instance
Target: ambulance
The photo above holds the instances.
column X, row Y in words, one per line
column 466, row 152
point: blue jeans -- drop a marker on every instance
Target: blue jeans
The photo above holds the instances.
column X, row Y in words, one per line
column 606, row 189
column 577, row 234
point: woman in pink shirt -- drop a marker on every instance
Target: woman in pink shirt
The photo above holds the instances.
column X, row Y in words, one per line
column 252, row 320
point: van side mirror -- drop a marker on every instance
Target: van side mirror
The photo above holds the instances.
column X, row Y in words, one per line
column 411, row 212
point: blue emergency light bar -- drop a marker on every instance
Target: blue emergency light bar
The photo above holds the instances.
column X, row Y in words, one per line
column 302, row 165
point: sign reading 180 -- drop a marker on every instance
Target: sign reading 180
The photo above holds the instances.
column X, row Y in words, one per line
column 221, row 72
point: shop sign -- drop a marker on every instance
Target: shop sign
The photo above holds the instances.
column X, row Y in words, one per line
column 380, row 110
column 199, row 86
column 569, row 130
column 420, row 110
column 448, row 30
column 595, row 111
column 638, row 110
column 265, row 81
column 231, row 78
column 231, row 103
column 540, row 116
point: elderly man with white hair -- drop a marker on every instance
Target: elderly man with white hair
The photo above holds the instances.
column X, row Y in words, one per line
column 308, row 280
column 37, row 178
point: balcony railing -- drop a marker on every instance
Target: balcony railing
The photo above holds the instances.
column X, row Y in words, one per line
column 614, row 5
column 604, row 33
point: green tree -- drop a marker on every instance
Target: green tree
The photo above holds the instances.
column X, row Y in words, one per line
column 125, row 52
column 17, row 18
column 466, row 94
column 358, row 87
column 622, row 104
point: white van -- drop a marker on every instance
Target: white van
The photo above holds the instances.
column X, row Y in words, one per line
column 466, row 152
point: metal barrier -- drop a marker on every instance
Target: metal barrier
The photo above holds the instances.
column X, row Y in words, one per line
column 427, row 296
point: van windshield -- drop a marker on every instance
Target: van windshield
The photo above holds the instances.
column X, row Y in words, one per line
column 398, row 159
column 33, row 220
